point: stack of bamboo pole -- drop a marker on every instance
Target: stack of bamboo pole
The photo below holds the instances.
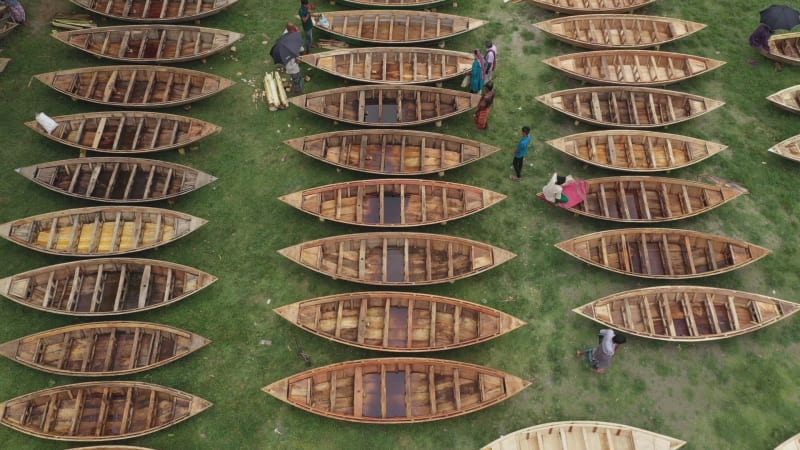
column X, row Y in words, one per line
column 72, row 21
column 274, row 91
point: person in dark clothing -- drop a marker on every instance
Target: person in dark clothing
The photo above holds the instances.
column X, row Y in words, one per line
column 520, row 152
column 308, row 24
column 600, row 357
column 759, row 40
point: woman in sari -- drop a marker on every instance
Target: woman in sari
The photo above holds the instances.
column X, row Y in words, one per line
column 476, row 76
column 484, row 107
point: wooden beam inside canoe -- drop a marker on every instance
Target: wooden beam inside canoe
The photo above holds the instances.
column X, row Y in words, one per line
column 712, row 313
column 332, row 388
column 432, row 389
column 688, row 254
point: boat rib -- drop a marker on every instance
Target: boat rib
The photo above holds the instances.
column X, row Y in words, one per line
column 397, row 258
column 101, row 230
column 150, row 43
column 399, row 321
column 103, row 348
column 392, row 152
column 788, row 148
column 662, row 253
column 392, row 65
column 167, row 11
column 788, row 99
column 629, row 106
column 100, row 410
column 635, row 150
column 396, row 390
column 104, row 286
column 591, row 6
column 584, row 435
column 393, row 202
column 687, row 313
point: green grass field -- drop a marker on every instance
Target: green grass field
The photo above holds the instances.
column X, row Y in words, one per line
column 739, row 393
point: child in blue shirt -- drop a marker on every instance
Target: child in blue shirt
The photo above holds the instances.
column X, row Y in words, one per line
column 520, row 152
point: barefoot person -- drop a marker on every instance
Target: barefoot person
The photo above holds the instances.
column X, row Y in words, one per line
column 601, row 356
column 520, row 152
column 476, row 76
column 484, row 107
column 308, row 24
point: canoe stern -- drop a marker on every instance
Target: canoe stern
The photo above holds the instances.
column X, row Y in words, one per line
column 289, row 312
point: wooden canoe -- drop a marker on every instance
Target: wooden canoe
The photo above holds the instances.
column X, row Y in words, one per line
column 598, row 31
column 396, row 390
column 632, row 67
column 788, row 99
column 591, row 6
column 788, row 148
column 392, row 152
column 99, row 410
column 393, row 27
column 392, row 65
column 687, row 313
column 135, row 86
column 636, row 151
column 126, row 132
column 629, row 106
column 392, row 4
column 793, row 443
column 387, row 106
column 644, row 199
column 7, row 24
column 584, row 435
column 399, row 321
column 100, row 230
column 397, row 258
column 784, row 47
column 393, row 202
column 662, row 253
column 104, row 286
column 164, row 11
column 103, row 348
column 110, row 447
column 152, row 44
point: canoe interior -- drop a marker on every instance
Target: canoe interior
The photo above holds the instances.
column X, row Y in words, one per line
column 618, row 30
column 784, row 47
column 155, row 10
column 398, row 27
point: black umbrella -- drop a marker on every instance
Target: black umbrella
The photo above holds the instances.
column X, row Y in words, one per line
column 780, row 17
column 286, row 47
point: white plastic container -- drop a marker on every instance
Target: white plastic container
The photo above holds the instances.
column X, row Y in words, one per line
column 46, row 122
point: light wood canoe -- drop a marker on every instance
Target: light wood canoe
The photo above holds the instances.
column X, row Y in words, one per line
column 103, row 348
column 793, row 443
column 392, row 4
column 117, row 179
column 632, row 67
column 7, row 24
column 788, row 148
column 126, row 132
column 392, row 65
column 110, row 447
column 636, row 151
column 629, row 106
column 396, row 390
column 152, row 44
column 399, row 321
column 387, row 106
column 662, row 253
column 100, row 230
column 158, row 11
column 133, row 86
column 687, row 313
column 397, row 258
column 104, row 286
column 784, row 47
column 644, row 199
column 584, row 435
column 392, row 152
column 100, row 410
column 591, row 6
column 788, row 99
column 393, row 202
column 393, row 27
column 598, row 31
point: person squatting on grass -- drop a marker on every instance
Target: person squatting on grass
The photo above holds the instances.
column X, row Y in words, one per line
column 484, row 107
column 601, row 356
column 308, row 24
column 520, row 152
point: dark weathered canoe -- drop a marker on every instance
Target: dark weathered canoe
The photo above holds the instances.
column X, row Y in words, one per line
column 597, row 31
column 150, row 43
column 397, row 258
column 788, row 148
column 687, row 313
column 157, row 11
column 104, row 286
column 100, row 230
column 644, row 199
column 591, row 6
column 393, row 202
column 126, row 132
column 396, row 390
column 584, row 435
column 662, row 253
column 135, row 86
column 632, row 67
column 117, row 179
column 392, row 4
column 788, row 99
column 399, row 321
column 636, row 151
column 392, row 65
column 629, row 106
column 387, row 106
column 103, row 348
column 99, row 410
column 392, row 152
column 392, row 27
column 784, row 47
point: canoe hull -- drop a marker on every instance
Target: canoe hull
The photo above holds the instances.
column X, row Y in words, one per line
column 134, row 11
column 787, row 99
column 788, row 148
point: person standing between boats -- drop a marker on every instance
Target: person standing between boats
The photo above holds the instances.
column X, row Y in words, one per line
column 600, row 357
column 485, row 106
column 520, row 152
column 293, row 69
column 476, row 76
column 308, row 24
column 491, row 61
